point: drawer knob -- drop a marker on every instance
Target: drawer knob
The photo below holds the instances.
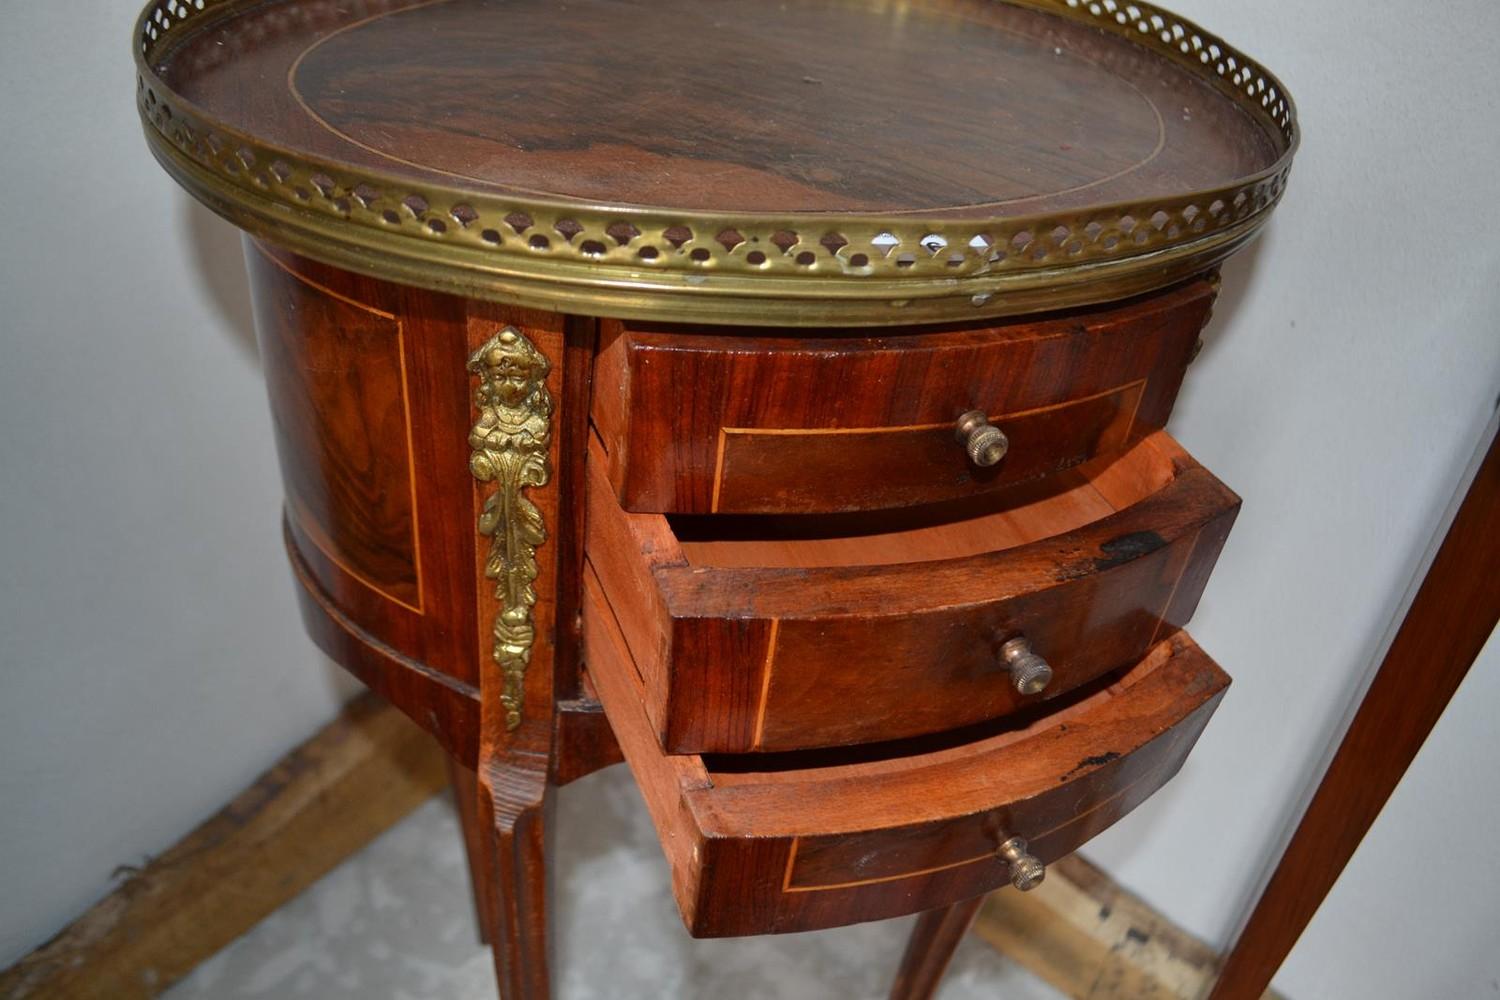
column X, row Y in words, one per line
column 1026, row 872
column 1028, row 672
column 985, row 443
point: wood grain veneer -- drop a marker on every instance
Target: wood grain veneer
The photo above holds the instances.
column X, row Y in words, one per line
column 362, row 395
column 734, row 632
column 698, row 420
column 745, row 108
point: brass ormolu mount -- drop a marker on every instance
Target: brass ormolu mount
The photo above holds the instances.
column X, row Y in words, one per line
column 510, row 445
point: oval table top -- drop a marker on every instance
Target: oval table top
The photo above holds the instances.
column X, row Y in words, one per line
column 741, row 161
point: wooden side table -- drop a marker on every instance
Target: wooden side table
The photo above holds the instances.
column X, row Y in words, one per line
column 770, row 395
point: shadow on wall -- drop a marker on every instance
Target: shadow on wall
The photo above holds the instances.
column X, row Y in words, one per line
column 220, row 262
column 1142, row 822
column 1238, row 275
column 218, row 257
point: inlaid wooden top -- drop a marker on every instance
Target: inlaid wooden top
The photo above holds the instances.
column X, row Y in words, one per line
column 968, row 107
column 704, row 146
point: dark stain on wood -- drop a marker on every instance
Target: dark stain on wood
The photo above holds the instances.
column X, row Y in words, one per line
column 1119, row 551
column 1095, row 760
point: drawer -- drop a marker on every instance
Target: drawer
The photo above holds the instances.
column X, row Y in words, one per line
column 766, row 843
column 755, row 422
column 780, row 633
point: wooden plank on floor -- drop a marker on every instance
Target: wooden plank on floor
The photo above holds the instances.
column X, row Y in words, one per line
column 370, row 767
column 1092, row 940
column 328, row 798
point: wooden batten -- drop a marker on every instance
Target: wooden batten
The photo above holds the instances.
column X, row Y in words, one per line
column 370, row 767
column 322, row 802
column 1092, row 940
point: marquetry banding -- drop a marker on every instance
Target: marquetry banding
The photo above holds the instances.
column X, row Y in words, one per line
column 420, row 223
column 1166, row 609
column 1138, row 385
column 325, row 604
column 1035, row 838
column 305, row 523
column 765, row 681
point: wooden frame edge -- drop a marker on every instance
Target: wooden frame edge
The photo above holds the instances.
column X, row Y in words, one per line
column 1450, row 618
column 1091, row 939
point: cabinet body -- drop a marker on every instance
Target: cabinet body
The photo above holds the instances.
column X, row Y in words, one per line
column 799, row 657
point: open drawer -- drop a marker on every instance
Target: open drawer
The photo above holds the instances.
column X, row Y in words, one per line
column 780, row 633
column 766, row 843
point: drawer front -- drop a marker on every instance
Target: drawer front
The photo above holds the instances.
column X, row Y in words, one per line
column 829, row 880
column 708, row 423
column 739, row 659
column 804, row 842
column 927, row 672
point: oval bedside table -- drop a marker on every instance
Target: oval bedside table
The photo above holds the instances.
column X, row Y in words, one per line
column 770, row 395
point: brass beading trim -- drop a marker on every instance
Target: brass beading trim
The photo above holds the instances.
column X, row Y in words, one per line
column 798, row 269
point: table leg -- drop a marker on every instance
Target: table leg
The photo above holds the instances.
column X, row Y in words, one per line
column 481, row 864
column 516, row 809
column 931, row 947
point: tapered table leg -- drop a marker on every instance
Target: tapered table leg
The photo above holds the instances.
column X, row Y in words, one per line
column 516, row 808
column 481, row 864
column 931, row 947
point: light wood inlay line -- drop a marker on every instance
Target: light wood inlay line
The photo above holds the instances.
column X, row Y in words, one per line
column 276, row 262
column 310, row 528
column 724, row 432
column 718, row 471
column 314, row 589
column 990, row 856
column 318, row 119
column 1166, row 609
column 411, row 466
column 786, row 885
column 307, row 527
column 765, row 682
column 1140, row 394
column 896, row 429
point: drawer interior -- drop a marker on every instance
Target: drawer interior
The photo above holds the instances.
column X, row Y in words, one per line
column 950, row 530
column 727, row 770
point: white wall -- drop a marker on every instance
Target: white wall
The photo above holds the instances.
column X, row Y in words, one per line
column 1417, row 914
column 151, row 661
column 1352, row 366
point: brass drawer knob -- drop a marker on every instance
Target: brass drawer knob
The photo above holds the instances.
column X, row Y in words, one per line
column 985, row 443
column 1028, row 672
column 1026, row 872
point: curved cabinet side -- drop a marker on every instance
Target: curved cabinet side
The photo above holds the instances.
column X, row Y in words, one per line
column 369, row 398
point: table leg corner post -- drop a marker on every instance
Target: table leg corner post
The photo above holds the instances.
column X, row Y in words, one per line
column 465, row 786
column 933, row 940
column 516, row 810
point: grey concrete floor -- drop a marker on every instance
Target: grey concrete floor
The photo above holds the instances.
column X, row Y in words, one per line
column 395, row 922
